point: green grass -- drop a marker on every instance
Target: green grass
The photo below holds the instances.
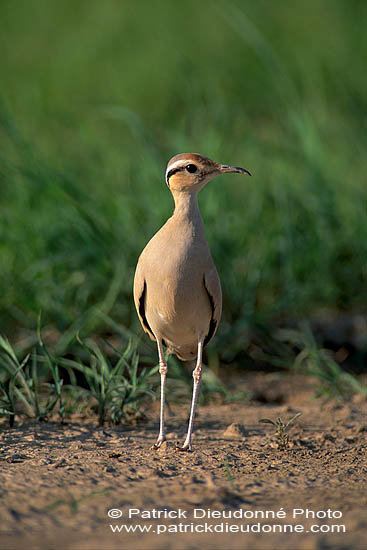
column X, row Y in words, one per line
column 281, row 428
column 97, row 96
column 110, row 385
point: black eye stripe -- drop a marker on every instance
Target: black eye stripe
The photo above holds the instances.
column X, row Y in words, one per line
column 191, row 168
column 174, row 171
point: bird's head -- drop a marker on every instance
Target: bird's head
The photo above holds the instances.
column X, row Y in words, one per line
column 189, row 172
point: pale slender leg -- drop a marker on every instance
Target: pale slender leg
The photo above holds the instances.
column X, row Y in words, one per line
column 197, row 378
column 163, row 372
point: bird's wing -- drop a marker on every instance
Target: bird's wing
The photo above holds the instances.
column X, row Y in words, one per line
column 212, row 286
column 140, row 288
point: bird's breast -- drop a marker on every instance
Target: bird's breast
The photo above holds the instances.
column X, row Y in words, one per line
column 177, row 304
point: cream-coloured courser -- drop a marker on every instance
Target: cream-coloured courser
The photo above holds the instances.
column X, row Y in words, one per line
column 177, row 290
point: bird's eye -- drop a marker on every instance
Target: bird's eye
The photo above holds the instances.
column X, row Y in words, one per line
column 191, row 168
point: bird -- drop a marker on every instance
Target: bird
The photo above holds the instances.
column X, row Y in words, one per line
column 177, row 290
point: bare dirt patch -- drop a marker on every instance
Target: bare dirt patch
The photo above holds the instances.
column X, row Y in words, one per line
column 58, row 482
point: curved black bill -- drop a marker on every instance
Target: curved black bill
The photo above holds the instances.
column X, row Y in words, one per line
column 225, row 169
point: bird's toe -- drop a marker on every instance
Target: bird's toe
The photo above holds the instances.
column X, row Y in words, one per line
column 185, row 448
column 158, row 444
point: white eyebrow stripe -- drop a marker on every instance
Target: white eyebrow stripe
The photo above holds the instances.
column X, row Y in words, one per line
column 178, row 163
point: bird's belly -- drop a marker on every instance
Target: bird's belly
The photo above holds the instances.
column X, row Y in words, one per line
column 181, row 316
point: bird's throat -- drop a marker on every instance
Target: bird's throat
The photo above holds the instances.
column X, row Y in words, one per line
column 186, row 206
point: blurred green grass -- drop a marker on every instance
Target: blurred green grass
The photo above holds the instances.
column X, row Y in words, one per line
column 97, row 96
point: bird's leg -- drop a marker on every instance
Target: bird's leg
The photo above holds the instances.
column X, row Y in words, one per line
column 163, row 372
column 197, row 378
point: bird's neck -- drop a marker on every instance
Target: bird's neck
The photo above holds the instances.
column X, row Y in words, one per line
column 187, row 207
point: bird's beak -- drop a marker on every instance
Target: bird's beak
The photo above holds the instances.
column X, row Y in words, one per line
column 225, row 169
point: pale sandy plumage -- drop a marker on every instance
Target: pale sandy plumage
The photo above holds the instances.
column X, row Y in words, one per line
column 177, row 289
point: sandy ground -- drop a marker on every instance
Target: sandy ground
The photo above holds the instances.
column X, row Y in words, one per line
column 58, row 483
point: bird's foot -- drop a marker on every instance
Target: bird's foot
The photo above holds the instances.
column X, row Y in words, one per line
column 186, row 447
column 158, row 443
